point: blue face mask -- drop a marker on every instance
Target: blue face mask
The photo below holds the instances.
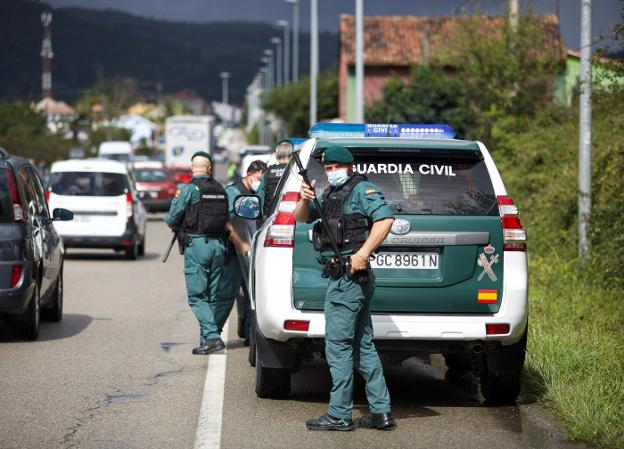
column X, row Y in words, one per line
column 338, row 177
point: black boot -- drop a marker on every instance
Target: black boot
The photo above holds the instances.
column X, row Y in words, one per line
column 381, row 421
column 210, row 345
column 327, row 422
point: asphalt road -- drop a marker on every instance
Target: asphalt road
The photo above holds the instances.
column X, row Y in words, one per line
column 117, row 372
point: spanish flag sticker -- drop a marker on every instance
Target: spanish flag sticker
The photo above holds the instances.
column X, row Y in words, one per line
column 487, row 296
column 369, row 191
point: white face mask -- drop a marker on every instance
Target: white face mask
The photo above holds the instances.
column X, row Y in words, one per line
column 255, row 185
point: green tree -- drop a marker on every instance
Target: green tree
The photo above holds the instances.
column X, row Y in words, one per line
column 291, row 103
column 431, row 96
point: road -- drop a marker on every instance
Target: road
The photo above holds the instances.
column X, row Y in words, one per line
column 117, row 372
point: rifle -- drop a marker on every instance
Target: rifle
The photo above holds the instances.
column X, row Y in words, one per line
column 336, row 266
column 176, row 235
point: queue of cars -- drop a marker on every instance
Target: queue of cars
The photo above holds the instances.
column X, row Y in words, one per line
column 451, row 276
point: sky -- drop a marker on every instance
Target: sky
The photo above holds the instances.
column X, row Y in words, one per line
column 605, row 13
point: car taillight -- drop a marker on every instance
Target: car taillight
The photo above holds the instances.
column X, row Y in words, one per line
column 16, row 274
column 281, row 233
column 514, row 235
column 16, row 201
column 129, row 208
column 171, row 189
column 496, row 329
column 47, row 196
column 296, row 325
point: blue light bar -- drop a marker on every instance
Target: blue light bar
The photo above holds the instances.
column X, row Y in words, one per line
column 296, row 141
column 418, row 131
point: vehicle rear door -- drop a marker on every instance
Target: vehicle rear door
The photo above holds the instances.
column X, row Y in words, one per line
column 445, row 251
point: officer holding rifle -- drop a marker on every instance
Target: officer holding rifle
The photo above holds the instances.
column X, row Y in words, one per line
column 357, row 220
column 199, row 216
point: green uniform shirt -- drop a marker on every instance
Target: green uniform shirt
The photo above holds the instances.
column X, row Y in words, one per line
column 186, row 195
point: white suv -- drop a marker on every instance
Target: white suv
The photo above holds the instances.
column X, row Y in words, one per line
column 107, row 211
column 451, row 277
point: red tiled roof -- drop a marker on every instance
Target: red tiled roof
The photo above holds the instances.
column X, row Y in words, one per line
column 407, row 40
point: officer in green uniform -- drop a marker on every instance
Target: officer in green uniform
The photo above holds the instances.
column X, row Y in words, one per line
column 199, row 209
column 360, row 220
column 273, row 175
column 232, row 277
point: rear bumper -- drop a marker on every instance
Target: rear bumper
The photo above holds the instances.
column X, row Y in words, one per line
column 90, row 241
column 157, row 205
column 15, row 300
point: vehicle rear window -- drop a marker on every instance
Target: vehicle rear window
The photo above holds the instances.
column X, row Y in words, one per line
column 421, row 183
column 88, row 183
column 5, row 200
column 149, row 175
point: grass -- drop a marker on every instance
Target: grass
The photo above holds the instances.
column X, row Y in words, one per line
column 575, row 356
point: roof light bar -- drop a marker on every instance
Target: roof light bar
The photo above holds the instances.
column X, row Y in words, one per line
column 419, row 131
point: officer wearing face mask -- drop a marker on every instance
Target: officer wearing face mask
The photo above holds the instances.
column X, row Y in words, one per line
column 232, row 278
column 274, row 174
column 360, row 220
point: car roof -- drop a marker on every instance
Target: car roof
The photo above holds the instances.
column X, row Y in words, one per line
column 400, row 143
column 90, row 165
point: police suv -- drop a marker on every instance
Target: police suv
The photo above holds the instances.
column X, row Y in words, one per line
column 451, row 277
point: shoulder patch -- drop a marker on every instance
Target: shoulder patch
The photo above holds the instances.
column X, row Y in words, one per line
column 372, row 190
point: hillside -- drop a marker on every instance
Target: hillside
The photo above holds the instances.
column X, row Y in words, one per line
column 178, row 55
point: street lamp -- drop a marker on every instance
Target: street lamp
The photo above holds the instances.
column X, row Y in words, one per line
column 269, row 54
column 284, row 24
column 278, row 59
column 225, row 76
column 359, row 61
column 295, row 62
column 313, row 59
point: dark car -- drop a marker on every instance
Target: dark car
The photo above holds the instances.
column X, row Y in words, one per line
column 31, row 252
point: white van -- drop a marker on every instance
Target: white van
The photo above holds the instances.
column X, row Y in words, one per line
column 116, row 150
column 107, row 210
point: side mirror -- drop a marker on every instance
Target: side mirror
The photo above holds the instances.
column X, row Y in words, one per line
column 60, row 214
column 247, row 206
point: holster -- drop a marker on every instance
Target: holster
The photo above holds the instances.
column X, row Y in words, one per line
column 183, row 241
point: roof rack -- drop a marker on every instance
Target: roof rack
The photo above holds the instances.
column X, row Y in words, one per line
column 4, row 154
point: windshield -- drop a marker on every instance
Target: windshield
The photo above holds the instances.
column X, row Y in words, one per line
column 88, row 183
column 121, row 157
column 426, row 184
column 150, row 176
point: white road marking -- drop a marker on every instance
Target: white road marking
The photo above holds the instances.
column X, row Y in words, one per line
column 208, row 434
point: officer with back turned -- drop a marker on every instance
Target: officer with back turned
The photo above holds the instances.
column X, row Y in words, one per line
column 200, row 210
column 360, row 220
column 273, row 175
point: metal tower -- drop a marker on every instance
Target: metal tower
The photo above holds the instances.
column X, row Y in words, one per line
column 46, row 55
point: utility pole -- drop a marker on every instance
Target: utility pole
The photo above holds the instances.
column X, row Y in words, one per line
column 278, row 59
column 46, row 55
column 359, row 61
column 295, row 62
column 225, row 76
column 313, row 60
column 513, row 14
column 585, row 134
column 286, row 40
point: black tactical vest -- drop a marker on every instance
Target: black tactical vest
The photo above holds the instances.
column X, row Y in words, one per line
column 349, row 230
column 209, row 215
column 271, row 180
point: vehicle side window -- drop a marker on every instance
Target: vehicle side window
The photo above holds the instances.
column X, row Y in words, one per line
column 28, row 191
column 39, row 192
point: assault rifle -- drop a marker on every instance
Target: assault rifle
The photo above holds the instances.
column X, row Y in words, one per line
column 336, row 266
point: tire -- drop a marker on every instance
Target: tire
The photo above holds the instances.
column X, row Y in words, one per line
column 54, row 313
column 272, row 383
column 132, row 250
column 141, row 250
column 240, row 308
column 252, row 340
column 26, row 325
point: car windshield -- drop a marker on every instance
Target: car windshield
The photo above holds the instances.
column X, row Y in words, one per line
column 149, row 175
column 121, row 157
column 88, row 183
column 5, row 200
column 417, row 183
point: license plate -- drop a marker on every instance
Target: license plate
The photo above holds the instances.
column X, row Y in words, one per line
column 153, row 194
column 406, row 261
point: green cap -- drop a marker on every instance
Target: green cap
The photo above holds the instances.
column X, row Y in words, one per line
column 203, row 154
column 337, row 155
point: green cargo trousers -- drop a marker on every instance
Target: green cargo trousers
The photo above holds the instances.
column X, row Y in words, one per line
column 349, row 344
column 203, row 264
column 229, row 286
